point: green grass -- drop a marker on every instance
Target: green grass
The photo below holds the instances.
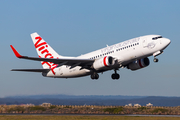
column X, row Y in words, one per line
column 37, row 108
column 142, row 108
column 18, row 108
column 66, row 117
column 159, row 110
column 52, row 107
column 113, row 110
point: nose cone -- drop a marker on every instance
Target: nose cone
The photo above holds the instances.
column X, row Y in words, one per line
column 166, row 42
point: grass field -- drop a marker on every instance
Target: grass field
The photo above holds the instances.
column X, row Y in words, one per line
column 39, row 117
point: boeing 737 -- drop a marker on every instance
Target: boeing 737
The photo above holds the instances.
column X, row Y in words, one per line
column 132, row 54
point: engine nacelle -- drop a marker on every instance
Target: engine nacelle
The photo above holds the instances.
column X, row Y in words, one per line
column 139, row 64
column 103, row 62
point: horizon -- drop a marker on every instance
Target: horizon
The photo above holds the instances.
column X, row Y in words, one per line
column 83, row 95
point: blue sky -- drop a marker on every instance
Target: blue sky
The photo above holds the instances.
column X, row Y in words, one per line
column 76, row 27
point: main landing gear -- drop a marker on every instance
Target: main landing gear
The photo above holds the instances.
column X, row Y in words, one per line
column 115, row 75
column 94, row 76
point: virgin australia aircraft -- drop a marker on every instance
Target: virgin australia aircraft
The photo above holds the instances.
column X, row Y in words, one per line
column 132, row 54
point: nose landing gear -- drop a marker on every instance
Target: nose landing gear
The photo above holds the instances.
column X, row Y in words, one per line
column 155, row 59
column 156, row 54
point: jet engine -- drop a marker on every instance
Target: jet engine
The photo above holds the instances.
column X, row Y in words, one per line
column 103, row 62
column 139, row 64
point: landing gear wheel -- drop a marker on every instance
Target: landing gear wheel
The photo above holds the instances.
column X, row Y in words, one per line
column 115, row 76
column 94, row 76
column 155, row 60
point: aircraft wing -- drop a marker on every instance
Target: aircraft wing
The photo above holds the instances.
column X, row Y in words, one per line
column 73, row 62
column 32, row 70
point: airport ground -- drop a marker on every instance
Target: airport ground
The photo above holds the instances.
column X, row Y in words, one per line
column 84, row 117
column 88, row 112
column 89, row 109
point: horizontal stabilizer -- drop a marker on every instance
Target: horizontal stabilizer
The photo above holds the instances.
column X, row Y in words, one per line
column 32, row 70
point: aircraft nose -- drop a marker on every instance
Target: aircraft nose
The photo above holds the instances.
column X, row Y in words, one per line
column 167, row 41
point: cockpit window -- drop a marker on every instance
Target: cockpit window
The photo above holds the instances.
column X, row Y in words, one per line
column 155, row 38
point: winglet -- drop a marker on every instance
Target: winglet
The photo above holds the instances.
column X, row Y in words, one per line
column 16, row 52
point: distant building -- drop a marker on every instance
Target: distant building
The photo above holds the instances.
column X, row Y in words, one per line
column 137, row 105
column 27, row 105
column 129, row 105
column 30, row 105
column 149, row 104
column 46, row 104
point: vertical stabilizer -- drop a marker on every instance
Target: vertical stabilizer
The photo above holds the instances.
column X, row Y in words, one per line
column 44, row 50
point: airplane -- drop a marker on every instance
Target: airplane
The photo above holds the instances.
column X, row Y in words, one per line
column 131, row 54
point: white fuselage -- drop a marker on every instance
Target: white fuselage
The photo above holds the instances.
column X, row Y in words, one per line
column 124, row 52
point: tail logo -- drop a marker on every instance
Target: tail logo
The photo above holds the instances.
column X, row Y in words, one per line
column 42, row 48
